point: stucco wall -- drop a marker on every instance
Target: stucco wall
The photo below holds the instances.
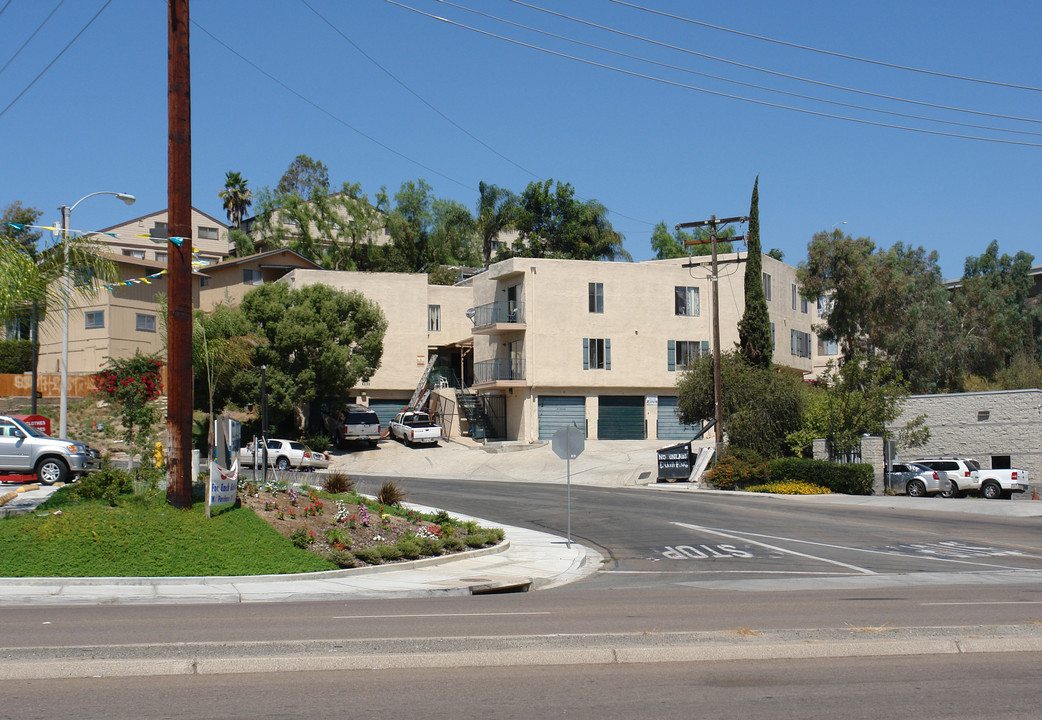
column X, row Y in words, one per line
column 981, row 426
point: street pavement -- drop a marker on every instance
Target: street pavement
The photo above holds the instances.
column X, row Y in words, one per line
column 528, row 560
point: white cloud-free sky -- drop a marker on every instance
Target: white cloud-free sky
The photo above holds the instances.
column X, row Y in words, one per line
column 658, row 117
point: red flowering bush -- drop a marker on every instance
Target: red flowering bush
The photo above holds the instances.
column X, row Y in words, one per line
column 132, row 384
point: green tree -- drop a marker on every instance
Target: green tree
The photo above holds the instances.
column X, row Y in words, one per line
column 236, row 197
column 672, row 246
column 321, row 342
column 998, row 318
column 761, row 408
column 666, row 245
column 864, row 397
column 305, row 177
column 497, row 213
column 553, row 223
column 453, row 239
column 754, row 329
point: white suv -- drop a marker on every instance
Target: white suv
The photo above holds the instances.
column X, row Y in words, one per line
column 963, row 473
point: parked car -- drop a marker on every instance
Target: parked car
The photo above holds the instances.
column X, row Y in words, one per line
column 282, row 454
column 917, row 480
column 24, row 450
column 413, row 426
column 315, row 460
column 963, row 473
column 361, row 423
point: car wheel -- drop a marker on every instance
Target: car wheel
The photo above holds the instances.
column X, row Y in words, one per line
column 282, row 463
column 952, row 490
column 916, row 488
column 51, row 470
column 991, row 491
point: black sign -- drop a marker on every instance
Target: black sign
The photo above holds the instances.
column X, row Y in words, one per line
column 675, row 462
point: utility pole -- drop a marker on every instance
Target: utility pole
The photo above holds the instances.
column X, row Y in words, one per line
column 179, row 260
column 714, row 277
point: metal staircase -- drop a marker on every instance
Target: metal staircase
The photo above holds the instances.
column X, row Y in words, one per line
column 472, row 409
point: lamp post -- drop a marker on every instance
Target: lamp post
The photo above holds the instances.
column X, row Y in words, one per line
column 66, row 211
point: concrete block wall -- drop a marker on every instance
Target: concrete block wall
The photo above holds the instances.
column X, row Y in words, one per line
column 985, row 426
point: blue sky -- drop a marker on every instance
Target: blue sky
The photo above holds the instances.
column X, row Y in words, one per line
column 649, row 150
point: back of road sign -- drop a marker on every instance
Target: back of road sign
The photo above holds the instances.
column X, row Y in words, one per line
column 568, row 442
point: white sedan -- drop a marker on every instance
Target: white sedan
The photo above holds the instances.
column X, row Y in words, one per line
column 282, row 454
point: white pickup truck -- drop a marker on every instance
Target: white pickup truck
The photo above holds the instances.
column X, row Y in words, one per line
column 413, row 426
column 996, row 484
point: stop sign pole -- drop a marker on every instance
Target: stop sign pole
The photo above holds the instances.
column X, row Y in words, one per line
column 568, row 443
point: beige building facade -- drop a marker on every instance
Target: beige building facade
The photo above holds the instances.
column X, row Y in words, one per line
column 145, row 237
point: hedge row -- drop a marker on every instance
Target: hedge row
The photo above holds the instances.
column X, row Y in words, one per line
column 16, row 356
column 845, row 478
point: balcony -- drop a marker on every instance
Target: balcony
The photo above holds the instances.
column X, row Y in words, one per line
column 499, row 373
column 499, row 317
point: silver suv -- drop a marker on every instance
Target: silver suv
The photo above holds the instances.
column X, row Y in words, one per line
column 25, row 450
column 963, row 474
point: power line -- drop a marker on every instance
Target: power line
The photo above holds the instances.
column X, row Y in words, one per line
column 705, row 90
column 30, row 38
column 56, row 57
column 775, row 73
column 829, row 52
column 729, row 80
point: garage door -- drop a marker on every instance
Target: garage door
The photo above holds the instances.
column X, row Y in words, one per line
column 620, row 417
column 669, row 425
column 387, row 409
column 557, row 411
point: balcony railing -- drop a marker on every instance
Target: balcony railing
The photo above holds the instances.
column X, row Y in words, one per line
column 505, row 311
column 500, row 369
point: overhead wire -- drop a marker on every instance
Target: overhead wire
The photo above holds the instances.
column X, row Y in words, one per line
column 56, row 58
column 767, row 71
column 31, row 36
column 706, row 91
column 737, row 82
column 845, row 56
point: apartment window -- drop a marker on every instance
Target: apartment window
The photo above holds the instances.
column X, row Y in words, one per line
column 597, row 297
column 161, row 257
column 827, row 348
column 95, row 319
column 204, row 281
column 774, row 342
column 252, row 277
column 146, row 322
column 824, row 305
column 139, row 254
column 800, row 343
column 803, row 305
column 686, row 301
column 18, row 328
column 795, row 295
column 82, row 276
column 766, row 286
column 681, row 353
column 596, row 354
column 434, row 318
column 207, row 233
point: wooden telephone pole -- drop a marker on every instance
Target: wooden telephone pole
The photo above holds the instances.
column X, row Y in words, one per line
column 713, row 224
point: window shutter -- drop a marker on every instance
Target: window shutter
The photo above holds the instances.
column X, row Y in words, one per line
column 586, row 353
column 671, row 355
column 607, row 354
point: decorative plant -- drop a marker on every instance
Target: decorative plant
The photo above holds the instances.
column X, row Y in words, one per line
column 132, row 385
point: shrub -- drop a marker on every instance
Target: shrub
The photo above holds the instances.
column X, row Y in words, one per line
column 790, row 487
column 342, row 557
column 409, row 547
column 737, row 469
column 318, row 443
column 338, row 483
column 106, row 484
column 302, row 537
column 16, row 356
column 390, row 494
column 452, row 543
column 845, row 478
column 335, row 535
column 429, row 546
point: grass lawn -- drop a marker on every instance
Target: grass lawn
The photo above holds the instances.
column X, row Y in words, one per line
column 89, row 538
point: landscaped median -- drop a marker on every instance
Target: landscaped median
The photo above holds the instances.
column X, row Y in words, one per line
column 103, row 527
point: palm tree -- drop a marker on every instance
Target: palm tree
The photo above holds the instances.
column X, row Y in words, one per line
column 236, row 196
column 497, row 211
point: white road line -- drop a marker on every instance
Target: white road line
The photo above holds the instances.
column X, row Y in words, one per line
column 722, row 572
column 989, row 602
column 864, row 571
column 431, row 615
column 889, row 553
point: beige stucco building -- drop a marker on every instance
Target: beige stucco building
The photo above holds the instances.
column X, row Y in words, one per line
column 145, row 237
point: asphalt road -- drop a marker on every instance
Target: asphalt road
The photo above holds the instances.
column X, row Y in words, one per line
column 1004, row 687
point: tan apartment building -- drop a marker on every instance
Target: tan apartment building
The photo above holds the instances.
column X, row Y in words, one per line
column 117, row 321
column 226, row 282
column 600, row 344
column 145, row 237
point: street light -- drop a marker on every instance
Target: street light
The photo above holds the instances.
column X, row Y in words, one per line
column 66, row 211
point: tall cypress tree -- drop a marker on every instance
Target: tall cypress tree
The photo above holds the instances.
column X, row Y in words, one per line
column 754, row 329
